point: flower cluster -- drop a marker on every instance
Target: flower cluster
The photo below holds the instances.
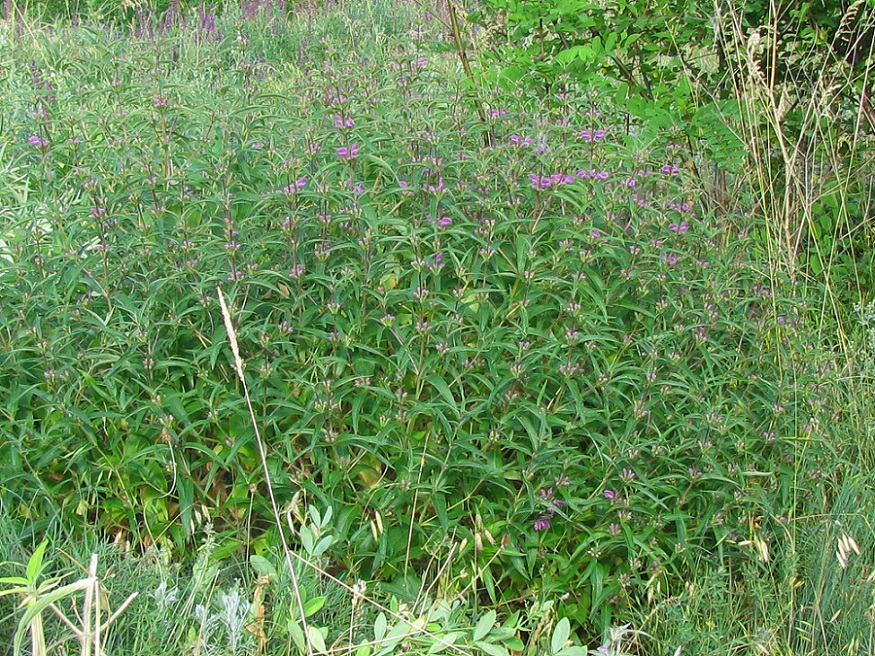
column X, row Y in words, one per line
column 348, row 153
column 549, row 498
column 294, row 187
column 38, row 142
column 591, row 136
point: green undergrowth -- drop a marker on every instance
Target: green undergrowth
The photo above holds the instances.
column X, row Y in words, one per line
column 510, row 359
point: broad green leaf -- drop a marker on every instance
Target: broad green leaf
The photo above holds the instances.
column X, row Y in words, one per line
column 491, row 649
column 380, row 626
column 316, row 639
column 313, row 606
column 262, row 566
column 560, row 635
column 484, row 625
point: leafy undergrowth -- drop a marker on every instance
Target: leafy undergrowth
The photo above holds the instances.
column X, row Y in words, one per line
column 509, row 355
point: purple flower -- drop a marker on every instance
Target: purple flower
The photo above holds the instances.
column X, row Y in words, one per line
column 38, row 142
column 610, row 494
column 349, row 153
column 420, row 63
column 445, row 222
column 340, row 122
column 586, row 135
column 295, row 186
column 538, row 182
column 438, row 188
column 542, row 523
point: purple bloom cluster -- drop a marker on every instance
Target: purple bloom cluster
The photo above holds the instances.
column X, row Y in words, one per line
column 548, row 496
column 295, row 186
column 38, row 142
column 341, row 123
column 516, row 140
column 592, row 174
column 591, row 136
column 553, row 180
column 686, row 208
column 348, row 153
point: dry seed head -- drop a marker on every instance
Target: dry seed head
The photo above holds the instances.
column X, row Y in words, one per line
column 232, row 335
column 847, row 545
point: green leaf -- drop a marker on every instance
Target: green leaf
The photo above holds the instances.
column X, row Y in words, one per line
column 380, row 625
column 444, row 643
column 484, row 625
column 308, row 540
column 491, row 649
column 37, row 607
column 262, row 566
column 35, row 564
column 560, row 635
column 316, row 639
column 313, row 606
column 323, row 545
column 297, row 636
column 574, row 651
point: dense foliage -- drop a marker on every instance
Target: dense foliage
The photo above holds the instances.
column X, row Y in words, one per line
column 781, row 88
column 515, row 356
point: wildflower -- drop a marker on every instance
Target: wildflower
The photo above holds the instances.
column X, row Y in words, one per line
column 38, row 142
column 295, row 186
column 341, row 123
column 542, row 523
column 539, row 182
column 420, row 63
column 596, row 135
column 610, row 494
column 438, row 188
column 349, row 153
